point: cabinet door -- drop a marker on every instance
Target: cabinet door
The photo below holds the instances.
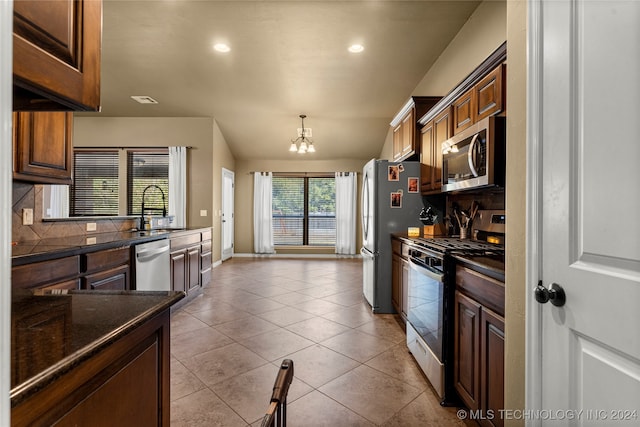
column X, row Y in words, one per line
column 408, row 134
column 489, row 94
column 42, row 148
column 397, row 142
column 427, row 166
column 56, row 54
column 179, row 270
column 492, row 366
column 466, row 366
column 193, row 266
column 396, row 282
column 442, row 130
column 464, row 111
column 404, row 286
column 113, row 279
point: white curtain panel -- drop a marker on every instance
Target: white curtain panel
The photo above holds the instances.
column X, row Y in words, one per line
column 58, row 201
column 178, row 186
column 346, row 195
column 262, row 213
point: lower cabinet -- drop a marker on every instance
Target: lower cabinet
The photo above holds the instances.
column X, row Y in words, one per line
column 107, row 269
column 190, row 260
column 125, row 384
column 479, row 344
column 399, row 277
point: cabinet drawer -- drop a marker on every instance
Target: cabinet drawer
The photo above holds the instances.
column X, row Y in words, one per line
column 206, row 235
column 101, row 260
column 205, row 247
column 187, row 240
column 486, row 290
column 46, row 272
column 113, row 279
column 205, row 261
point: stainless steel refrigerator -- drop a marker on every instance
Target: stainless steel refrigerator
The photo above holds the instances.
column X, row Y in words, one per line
column 391, row 202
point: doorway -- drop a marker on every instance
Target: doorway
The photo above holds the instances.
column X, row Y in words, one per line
column 227, row 217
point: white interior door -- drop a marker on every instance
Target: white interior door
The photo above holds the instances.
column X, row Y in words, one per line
column 228, row 180
column 584, row 122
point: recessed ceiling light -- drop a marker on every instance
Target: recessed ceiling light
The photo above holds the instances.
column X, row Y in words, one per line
column 356, row 48
column 144, row 99
column 221, row 47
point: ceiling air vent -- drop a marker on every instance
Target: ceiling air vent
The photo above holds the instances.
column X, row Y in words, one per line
column 143, row 99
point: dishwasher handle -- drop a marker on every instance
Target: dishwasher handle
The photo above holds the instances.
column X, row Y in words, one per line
column 150, row 254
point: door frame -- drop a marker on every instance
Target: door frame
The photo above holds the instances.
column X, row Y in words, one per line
column 222, row 202
column 533, row 313
column 6, row 82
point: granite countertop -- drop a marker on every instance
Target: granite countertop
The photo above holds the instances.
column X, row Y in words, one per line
column 59, row 247
column 51, row 334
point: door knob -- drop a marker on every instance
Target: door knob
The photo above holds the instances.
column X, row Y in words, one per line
column 555, row 294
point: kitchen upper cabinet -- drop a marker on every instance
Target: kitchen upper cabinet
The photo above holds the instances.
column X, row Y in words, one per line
column 56, row 55
column 406, row 144
column 42, row 147
column 432, row 135
column 483, row 99
column 490, row 93
column 464, row 109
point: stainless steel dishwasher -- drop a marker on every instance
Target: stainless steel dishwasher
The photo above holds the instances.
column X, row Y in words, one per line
column 152, row 266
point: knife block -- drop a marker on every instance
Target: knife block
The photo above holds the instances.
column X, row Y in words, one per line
column 435, row 230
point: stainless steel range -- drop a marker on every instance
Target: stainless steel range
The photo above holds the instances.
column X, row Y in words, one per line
column 430, row 298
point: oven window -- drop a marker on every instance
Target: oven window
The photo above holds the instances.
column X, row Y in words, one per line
column 426, row 307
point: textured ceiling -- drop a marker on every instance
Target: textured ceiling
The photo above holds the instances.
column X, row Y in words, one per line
column 287, row 58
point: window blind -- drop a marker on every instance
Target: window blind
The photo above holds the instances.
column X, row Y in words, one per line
column 304, row 211
column 144, row 169
column 94, row 191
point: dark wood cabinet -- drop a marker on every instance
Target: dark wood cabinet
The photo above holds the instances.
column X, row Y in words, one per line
column 485, row 98
column 55, row 273
column 178, row 270
column 107, row 269
column 113, row 279
column 479, row 343
column 433, row 134
column 190, row 260
column 490, row 93
column 464, row 109
column 42, row 147
column 124, row 383
column 56, row 55
column 399, row 276
column 406, row 144
column 466, row 374
column 492, row 366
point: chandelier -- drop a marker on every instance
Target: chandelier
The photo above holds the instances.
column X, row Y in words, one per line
column 305, row 144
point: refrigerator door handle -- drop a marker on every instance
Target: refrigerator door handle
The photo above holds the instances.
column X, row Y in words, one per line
column 365, row 253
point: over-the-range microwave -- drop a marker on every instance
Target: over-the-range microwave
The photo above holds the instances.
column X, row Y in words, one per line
column 475, row 157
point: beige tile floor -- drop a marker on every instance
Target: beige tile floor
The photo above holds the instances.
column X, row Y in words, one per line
column 351, row 367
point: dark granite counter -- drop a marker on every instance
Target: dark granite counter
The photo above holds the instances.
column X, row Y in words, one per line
column 52, row 334
column 48, row 249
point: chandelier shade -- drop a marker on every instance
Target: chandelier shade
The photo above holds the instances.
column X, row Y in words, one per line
column 302, row 144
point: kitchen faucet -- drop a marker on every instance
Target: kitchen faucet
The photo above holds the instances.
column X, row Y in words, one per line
column 143, row 209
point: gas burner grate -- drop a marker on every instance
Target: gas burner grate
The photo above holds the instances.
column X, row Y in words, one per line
column 452, row 245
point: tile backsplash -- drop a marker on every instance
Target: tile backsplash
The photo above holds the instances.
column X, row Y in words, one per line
column 27, row 195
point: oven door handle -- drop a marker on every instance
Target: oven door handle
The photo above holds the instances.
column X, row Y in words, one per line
column 427, row 271
column 470, row 158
